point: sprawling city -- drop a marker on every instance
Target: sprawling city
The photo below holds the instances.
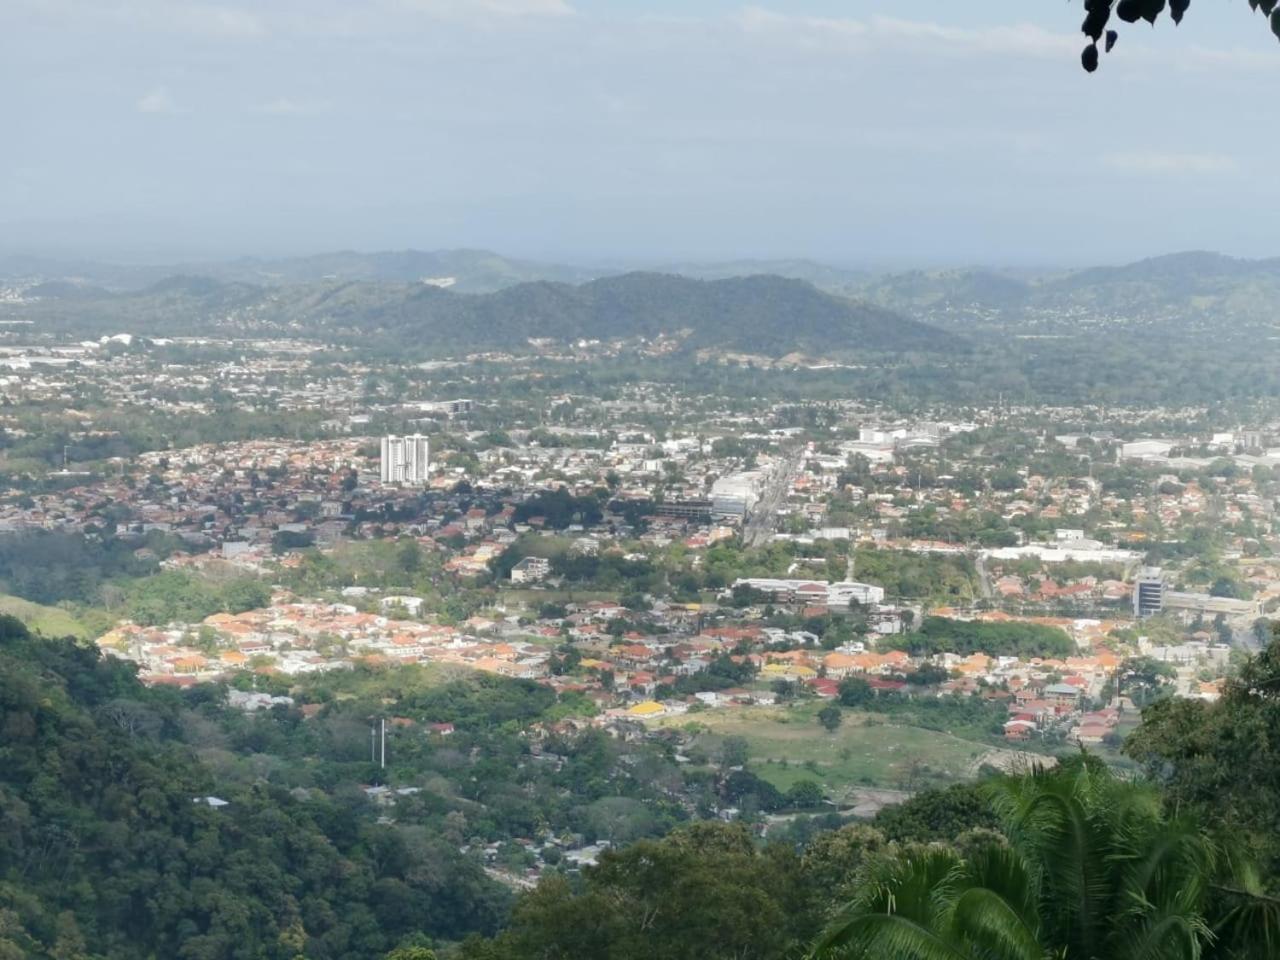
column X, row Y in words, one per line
column 450, row 604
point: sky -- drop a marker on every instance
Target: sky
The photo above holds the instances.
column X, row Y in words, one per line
column 868, row 132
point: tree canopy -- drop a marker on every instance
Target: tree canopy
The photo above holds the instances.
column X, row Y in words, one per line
column 1088, row 866
column 1097, row 25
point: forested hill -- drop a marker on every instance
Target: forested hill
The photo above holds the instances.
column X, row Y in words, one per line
column 107, row 853
column 1192, row 292
column 760, row 314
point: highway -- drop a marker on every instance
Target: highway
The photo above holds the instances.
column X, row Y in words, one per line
column 760, row 523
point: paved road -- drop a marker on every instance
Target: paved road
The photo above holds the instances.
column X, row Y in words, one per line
column 760, row 522
column 984, row 578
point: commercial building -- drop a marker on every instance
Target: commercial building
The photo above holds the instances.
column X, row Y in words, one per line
column 1204, row 603
column 1148, row 592
column 685, row 509
column 840, row 594
column 736, row 494
column 818, row 592
column 1145, row 449
column 405, row 460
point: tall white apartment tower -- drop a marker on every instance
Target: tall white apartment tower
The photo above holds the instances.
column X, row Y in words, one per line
column 405, row 460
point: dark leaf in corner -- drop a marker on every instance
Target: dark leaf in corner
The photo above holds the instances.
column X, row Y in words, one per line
column 1130, row 11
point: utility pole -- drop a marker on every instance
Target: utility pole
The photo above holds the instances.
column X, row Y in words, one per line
column 384, row 743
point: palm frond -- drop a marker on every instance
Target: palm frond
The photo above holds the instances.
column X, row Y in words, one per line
column 1006, row 873
column 1167, row 935
column 880, row 936
column 987, row 921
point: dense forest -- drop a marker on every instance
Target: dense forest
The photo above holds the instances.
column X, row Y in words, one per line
column 111, row 848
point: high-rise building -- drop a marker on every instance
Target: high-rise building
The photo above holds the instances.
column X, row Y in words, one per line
column 1148, row 592
column 405, row 460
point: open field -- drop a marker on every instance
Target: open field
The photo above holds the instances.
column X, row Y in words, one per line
column 787, row 744
column 51, row 621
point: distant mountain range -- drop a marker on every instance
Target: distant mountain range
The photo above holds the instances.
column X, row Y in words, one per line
column 467, row 271
column 1182, row 292
column 474, row 299
column 766, row 315
column 475, row 271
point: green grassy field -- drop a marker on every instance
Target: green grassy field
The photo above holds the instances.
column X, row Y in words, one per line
column 50, row 621
column 787, row 744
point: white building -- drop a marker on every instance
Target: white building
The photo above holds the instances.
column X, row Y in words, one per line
column 736, row 494
column 405, row 460
column 835, row 595
column 839, row 594
column 1145, row 449
column 530, row 570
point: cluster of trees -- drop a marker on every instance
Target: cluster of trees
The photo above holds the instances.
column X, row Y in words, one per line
column 918, row 575
column 1084, row 865
column 175, row 596
column 559, row 508
column 477, row 785
column 1073, row 862
column 108, row 851
column 47, row 434
column 1221, row 761
column 48, row 566
column 943, row 635
column 962, row 716
column 575, row 566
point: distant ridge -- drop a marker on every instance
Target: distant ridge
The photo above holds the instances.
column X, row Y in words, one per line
column 761, row 314
column 475, row 271
column 399, row 292
column 766, row 315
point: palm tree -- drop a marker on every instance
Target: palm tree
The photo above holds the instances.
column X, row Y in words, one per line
column 1093, row 870
column 936, row 906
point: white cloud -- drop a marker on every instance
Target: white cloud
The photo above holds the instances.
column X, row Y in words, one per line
column 761, row 21
column 878, row 31
column 1171, row 163
column 228, row 23
column 157, row 101
column 212, row 20
column 1021, row 39
column 285, row 107
column 488, row 9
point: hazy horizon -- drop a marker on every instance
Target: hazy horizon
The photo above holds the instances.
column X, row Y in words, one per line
column 600, row 131
column 606, row 265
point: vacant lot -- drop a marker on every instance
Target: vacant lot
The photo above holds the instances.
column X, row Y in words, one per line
column 787, row 744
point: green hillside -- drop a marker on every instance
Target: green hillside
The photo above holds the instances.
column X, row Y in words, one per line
column 758, row 314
